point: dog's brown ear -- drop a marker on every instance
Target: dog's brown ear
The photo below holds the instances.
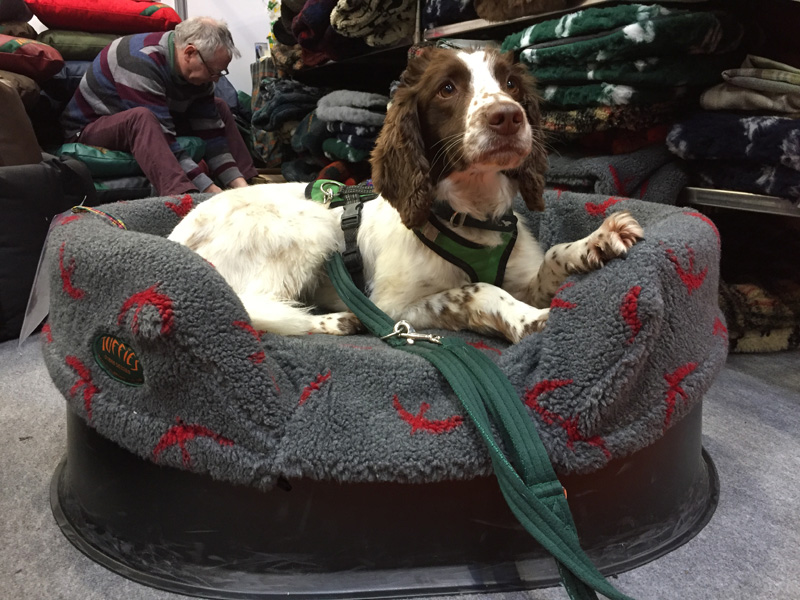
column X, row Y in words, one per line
column 400, row 170
column 530, row 174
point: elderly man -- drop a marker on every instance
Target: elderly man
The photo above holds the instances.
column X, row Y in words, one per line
column 143, row 90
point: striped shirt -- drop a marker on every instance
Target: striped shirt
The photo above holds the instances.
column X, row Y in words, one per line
column 141, row 70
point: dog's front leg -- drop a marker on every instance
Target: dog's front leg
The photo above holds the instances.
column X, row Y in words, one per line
column 612, row 239
column 478, row 307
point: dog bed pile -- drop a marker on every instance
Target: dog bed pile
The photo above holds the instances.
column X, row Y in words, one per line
column 152, row 348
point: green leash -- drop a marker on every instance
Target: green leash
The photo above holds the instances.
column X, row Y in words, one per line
column 526, row 477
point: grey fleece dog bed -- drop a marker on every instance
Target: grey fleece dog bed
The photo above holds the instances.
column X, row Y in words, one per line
column 152, row 348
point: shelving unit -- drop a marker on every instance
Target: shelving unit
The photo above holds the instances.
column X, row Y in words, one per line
column 483, row 29
column 740, row 201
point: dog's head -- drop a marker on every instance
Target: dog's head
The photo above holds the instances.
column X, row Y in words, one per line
column 454, row 111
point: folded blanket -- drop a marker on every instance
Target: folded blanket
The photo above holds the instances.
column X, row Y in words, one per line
column 602, row 118
column 590, row 21
column 612, row 141
column 746, row 176
column 311, row 23
column 378, row 23
column 320, row 42
column 345, row 172
column 760, row 84
column 610, row 94
column 651, row 174
column 760, row 295
column 761, row 320
column 336, row 149
column 726, row 96
column 660, row 71
column 356, row 141
column 695, row 33
column 365, row 131
column 731, row 136
column 648, row 31
column 304, row 168
column 359, row 108
column 492, row 10
column 311, row 132
column 763, row 74
column 436, row 13
column 283, row 100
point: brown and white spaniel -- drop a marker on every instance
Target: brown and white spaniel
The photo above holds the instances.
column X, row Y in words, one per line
column 460, row 141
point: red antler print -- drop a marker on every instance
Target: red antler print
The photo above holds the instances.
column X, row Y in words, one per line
column 181, row 209
column 313, row 387
column 599, row 210
column 418, row 422
column 557, row 302
column 720, row 329
column 708, row 221
column 257, row 357
column 619, row 183
column 570, row 425
column 69, row 219
column 66, row 274
column 691, row 278
column 629, row 309
column 84, row 381
column 149, row 297
column 674, row 380
column 47, row 332
column 180, row 434
column 483, row 346
column 543, row 387
column 643, row 189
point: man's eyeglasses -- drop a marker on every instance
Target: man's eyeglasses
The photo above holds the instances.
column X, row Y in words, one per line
column 213, row 74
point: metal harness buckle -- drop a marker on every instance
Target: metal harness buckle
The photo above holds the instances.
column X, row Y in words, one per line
column 404, row 330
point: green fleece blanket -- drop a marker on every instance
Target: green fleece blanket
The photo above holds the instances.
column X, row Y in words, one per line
column 603, row 118
column 703, row 71
column 609, row 94
column 626, row 32
column 584, row 23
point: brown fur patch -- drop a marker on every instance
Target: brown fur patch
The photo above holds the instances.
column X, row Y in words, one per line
column 419, row 144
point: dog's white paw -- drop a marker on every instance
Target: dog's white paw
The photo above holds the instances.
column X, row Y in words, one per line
column 613, row 238
column 532, row 322
column 340, row 323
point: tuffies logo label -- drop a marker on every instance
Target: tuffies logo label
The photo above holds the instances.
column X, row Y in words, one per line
column 118, row 359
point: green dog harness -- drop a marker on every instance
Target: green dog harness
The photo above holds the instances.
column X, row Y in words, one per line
column 479, row 262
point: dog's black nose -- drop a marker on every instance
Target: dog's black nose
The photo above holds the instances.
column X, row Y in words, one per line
column 505, row 119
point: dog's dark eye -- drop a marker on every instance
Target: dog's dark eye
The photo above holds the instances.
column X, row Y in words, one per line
column 511, row 84
column 447, row 90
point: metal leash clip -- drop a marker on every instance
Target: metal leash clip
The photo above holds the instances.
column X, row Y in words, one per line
column 404, row 330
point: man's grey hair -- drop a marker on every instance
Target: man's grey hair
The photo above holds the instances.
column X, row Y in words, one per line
column 205, row 34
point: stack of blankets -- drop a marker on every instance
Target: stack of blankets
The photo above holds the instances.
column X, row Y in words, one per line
column 759, row 291
column 277, row 109
column 749, row 153
column 316, row 31
column 747, row 137
column 334, row 140
column 613, row 79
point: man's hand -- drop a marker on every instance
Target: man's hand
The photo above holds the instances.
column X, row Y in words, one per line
column 212, row 189
column 238, row 182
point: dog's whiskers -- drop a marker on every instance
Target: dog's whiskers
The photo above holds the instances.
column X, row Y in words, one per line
column 453, row 141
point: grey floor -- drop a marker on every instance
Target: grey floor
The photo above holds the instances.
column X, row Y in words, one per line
column 749, row 550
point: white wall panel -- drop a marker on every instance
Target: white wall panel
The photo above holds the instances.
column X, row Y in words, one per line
column 248, row 22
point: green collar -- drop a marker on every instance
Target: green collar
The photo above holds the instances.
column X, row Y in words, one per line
column 481, row 263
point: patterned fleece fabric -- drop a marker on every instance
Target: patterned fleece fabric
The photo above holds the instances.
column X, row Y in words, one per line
column 628, row 351
column 749, row 153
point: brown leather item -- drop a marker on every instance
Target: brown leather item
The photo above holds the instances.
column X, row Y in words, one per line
column 18, row 144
